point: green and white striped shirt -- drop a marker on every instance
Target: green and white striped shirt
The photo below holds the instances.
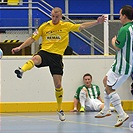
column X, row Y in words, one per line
column 93, row 92
column 123, row 59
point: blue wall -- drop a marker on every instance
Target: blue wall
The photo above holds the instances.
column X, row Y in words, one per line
column 80, row 46
column 19, row 18
column 75, row 6
column 89, row 6
column 12, row 18
column 119, row 3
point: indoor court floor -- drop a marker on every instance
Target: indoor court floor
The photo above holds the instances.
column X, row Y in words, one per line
column 48, row 122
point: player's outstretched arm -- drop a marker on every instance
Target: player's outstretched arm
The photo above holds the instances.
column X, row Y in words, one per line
column 99, row 20
column 28, row 42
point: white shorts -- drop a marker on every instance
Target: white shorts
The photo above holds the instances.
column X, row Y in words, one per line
column 92, row 104
column 115, row 80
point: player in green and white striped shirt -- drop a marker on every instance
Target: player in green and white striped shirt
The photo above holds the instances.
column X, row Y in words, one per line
column 89, row 96
column 122, row 66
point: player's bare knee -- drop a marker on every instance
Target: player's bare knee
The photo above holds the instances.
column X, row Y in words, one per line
column 82, row 94
column 109, row 89
column 36, row 59
column 86, row 92
column 58, row 85
column 84, row 89
column 105, row 81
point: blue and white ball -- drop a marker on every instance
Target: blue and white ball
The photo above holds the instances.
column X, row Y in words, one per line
column 1, row 53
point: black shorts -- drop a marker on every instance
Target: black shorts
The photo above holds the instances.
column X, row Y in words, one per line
column 54, row 61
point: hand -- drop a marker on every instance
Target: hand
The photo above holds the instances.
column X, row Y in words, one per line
column 113, row 40
column 14, row 50
column 101, row 19
column 113, row 43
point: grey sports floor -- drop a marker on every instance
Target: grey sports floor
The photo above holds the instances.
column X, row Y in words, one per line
column 49, row 123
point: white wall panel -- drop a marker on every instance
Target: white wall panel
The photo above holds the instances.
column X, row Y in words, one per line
column 37, row 84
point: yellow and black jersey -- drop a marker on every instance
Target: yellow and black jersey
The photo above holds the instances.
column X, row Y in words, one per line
column 55, row 38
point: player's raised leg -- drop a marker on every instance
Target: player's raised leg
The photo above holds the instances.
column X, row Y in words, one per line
column 36, row 60
column 27, row 66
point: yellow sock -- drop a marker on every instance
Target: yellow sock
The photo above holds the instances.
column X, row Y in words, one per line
column 28, row 65
column 59, row 96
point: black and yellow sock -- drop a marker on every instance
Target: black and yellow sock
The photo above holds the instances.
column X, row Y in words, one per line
column 59, row 96
column 28, row 65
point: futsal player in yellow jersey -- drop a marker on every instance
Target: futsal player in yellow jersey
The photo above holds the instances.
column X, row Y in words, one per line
column 55, row 37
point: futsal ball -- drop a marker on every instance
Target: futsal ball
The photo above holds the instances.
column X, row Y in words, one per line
column 1, row 53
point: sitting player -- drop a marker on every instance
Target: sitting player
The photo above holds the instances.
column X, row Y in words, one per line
column 89, row 96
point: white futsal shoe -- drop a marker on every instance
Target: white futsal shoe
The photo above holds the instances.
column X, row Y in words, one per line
column 121, row 119
column 61, row 115
column 103, row 113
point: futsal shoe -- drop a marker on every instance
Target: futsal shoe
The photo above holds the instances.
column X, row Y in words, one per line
column 61, row 115
column 82, row 109
column 19, row 72
column 121, row 119
column 103, row 113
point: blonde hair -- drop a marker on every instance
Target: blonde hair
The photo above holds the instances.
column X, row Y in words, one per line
column 57, row 9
